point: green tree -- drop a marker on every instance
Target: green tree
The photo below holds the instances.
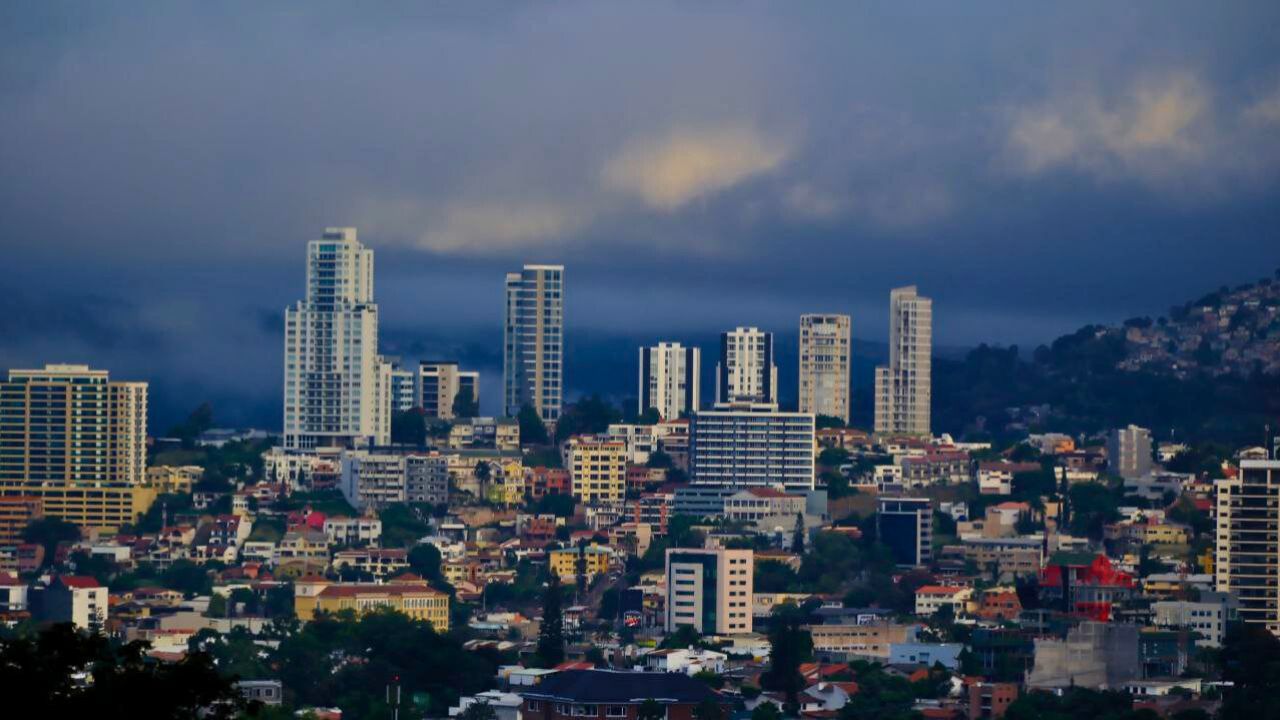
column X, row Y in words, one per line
column 766, row 711
column 708, row 709
column 464, row 405
column 551, row 632
column 789, row 646
column 478, row 710
column 532, row 431
column 424, row 559
column 49, row 532
column 797, row 537
column 409, row 427
column 651, row 709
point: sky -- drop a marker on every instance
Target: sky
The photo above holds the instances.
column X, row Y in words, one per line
column 1033, row 167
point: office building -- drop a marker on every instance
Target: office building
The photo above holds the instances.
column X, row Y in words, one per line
column 905, row 526
column 337, row 389
column 752, row 444
column 439, row 385
column 76, row 440
column 904, row 386
column 1247, row 561
column 746, row 371
column 670, row 379
column 597, row 468
column 1129, row 452
column 710, row 589
column 533, row 342
column 824, row 365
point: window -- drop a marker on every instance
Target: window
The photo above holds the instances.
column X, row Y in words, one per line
column 535, row 706
column 615, row 711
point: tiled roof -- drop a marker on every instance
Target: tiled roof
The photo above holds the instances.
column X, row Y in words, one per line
column 610, row 686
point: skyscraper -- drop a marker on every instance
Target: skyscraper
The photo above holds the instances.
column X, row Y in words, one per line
column 1247, row 553
column 746, row 372
column 337, row 389
column 1129, row 452
column 824, row 365
column 669, row 379
column 904, row 388
column 533, row 341
column 78, row 441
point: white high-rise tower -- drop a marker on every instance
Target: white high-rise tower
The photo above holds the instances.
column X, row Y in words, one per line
column 337, row 389
column 669, row 379
column 904, row 388
column 533, row 341
column 824, row 365
column 746, row 371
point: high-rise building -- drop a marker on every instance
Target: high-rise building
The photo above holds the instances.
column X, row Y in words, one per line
column 1247, row 561
column 670, row 379
column 76, row 440
column 1129, row 452
column 533, row 342
column 710, row 589
column 746, row 371
column 597, row 466
column 904, row 387
column 402, row 384
column 337, row 389
column 744, row 444
column 824, row 365
column 440, row 383
column 905, row 526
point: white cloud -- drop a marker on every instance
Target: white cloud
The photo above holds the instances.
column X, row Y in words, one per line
column 670, row 171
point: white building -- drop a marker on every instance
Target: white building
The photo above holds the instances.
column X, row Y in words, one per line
column 1208, row 616
column 373, row 479
column 353, row 530
column 1247, row 557
column 689, row 661
column 337, row 389
column 670, row 379
column 824, row 365
column 904, row 386
column 746, row 444
column 1129, row 452
column 533, row 341
column 79, row 600
column 402, row 395
column 746, row 371
column 710, row 589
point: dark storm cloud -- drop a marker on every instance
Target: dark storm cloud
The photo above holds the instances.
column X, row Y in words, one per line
column 1032, row 166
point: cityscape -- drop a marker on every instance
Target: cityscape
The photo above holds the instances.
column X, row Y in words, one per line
column 510, row 468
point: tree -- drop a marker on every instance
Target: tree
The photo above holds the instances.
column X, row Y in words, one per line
column 551, row 631
column 200, row 420
column 580, row 566
column 766, row 711
column 478, row 710
column 828, row 421
column 708, row 709
column 659, row 459
column 651, row 710
column 464, row 405
column 49, row 532
column 482, row 472
column 424, row 559
column 789, row 646
column 532, row 431
column 797, row 539
column 409, row 427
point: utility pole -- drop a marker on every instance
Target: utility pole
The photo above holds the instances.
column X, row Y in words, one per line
column 393, row 699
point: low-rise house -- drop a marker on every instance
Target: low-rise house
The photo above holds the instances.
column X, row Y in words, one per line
column 931, row 598
column 78, row 599
column 408, row 594
column 267, row 692
column 689, row 661
column 353, row 531
column 379, row 562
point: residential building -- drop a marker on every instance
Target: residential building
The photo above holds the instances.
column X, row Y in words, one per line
column 616, row 695
column 905, row 526
column 79, row 600
column 426, row 479
column 353, row 530
column 485, row 433
column 689, row 661
column 765, row 508
column 378, row 562
column 845, row 641
column 1085, row 584
column 709, row 589
column 533, row 342
column 1093, row 655
column 1129, row 452
column 403, row 382
column 752, row 444
column 440, row 383
column 932, row 598
column 1208, row 616
column 16, row 512
column 409, row 595
column 670, row 379
column 1247, row 556
column 77, row 440
column 746, row 372
column 903, row 392
column 564, row 562
column 597, row 466
column 1005, row 558
column 267, row 692
column 337, row 389
column 373, row 479
column 824, row 365
column 174, row 479
column 990, row 700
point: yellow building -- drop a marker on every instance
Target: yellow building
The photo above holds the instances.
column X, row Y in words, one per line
column 78, row 441
column 409, row 594
column 1166, row 535
column 173, row 478
column 15, row 513
column 597, row 469
column 564, row 562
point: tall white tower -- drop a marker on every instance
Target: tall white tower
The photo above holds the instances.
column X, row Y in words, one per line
column 669, row 379
column 337, row 389
column 824, row 365
column 746, row 371
column 904, row 387
column 533, row 341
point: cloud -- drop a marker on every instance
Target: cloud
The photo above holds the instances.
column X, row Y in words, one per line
column 669, row 171
column 1265, row 110
column 1154, row 127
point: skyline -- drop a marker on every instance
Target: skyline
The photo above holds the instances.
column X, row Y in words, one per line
column 760, row 167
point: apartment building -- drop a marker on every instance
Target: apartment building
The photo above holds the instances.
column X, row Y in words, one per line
column 533, row 342
column 597, row 468
column 670, row 379
column 752, row 444
column 746, row 372
column 710, row 589
column 824, row 365
column 439, row 384
column 903, row 393
column 1247, row 555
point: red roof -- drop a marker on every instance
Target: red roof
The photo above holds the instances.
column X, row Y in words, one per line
column 940, row 589
column 79, row 581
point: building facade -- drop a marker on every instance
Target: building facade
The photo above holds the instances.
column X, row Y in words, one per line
column 904, row 388
column 745, row 444
column 1247, row 560
column 710, row 589
column 670, row 379
column 746, row 371
column 824, row 365
column 1129, row 452
column 440, row 383
column 533, row 342
column 597, row 468
column 78, row 441
column 905, row 526
column 337, row 389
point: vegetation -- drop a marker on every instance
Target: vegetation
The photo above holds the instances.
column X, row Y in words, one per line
column 532, row 431
column 551, row 632
column 409, row 427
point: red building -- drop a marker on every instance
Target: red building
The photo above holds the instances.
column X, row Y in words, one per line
column 1086, row 585
column 989, row 701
